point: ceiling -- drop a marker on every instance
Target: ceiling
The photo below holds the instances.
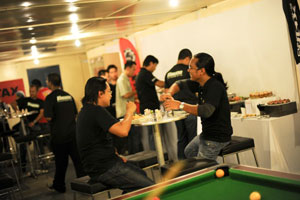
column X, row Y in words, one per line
column 47, row 23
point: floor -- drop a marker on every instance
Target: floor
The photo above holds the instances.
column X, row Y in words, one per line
column 36, row 188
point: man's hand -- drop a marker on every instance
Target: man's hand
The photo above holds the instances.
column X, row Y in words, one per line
column 130, row 107
column 165, row 96
column 123, row 158
column 171, row 105
column 31, row 124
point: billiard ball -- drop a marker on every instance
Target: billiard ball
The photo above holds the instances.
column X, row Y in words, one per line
column 255, row 196
column 220, row 173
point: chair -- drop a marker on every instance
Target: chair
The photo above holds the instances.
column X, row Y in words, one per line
column 7, row 185
column 237, row 145
column 7, row 157
column 190, row 165
column 145, row 160
column 84, row 186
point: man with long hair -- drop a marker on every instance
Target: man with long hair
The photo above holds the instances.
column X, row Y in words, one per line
column 95, row 127
column 213, row 107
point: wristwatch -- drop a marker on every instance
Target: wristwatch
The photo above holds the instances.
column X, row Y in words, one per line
column 181, row 105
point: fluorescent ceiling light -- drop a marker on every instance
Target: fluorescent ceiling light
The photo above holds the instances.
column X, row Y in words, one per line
column 73, row 18
column 73, row 8
column 173, row 3
column 30, row 20
column 26, row 4
column 32, row 41
column 77, row 43
column 36, row 61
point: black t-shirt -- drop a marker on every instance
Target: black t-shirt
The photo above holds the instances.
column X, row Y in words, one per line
column 61, row 108
column 145, row 86
column 180, row 72
column 31, row 105
column 112, row 107
column 218, row 126
column 94, row 142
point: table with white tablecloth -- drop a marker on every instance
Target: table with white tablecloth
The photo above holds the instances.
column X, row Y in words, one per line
column 277, row 141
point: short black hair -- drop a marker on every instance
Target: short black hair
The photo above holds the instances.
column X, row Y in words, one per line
column 112, row 66
column 149, row 59
column 37, row 83
column 102, row 72
column 185, row 53
column 34, row 86
column 92, row 87
column 54, row 78
column 129, row 63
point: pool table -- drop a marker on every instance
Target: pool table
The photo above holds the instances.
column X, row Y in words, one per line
column 238, row 183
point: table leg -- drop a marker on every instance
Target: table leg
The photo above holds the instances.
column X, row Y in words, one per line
column 158, row 145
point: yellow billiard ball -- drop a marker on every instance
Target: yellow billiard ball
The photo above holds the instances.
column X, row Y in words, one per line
column 255, row 196
column 220, row 173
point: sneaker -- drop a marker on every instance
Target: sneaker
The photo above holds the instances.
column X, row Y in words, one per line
column 53, row 189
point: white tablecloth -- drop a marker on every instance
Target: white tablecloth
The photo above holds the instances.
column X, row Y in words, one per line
column 277, row 141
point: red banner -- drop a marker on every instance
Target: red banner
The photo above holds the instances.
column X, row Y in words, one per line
column 8, row 89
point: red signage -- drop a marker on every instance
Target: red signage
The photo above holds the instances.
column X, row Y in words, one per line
column 8, row 89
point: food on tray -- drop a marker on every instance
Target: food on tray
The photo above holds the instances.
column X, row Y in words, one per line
column 255, row 95
column 137, row 116
column 280, row 101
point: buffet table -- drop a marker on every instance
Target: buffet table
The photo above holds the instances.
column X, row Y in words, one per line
column 277, row 141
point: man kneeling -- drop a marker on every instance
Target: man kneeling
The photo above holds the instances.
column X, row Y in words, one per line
column 95, row 126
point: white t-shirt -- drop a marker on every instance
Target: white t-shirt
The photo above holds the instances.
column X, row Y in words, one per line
column 123, row 87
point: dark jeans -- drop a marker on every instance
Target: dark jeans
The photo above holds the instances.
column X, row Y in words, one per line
column 62, row 153
column 186, row 131
column 125, row 176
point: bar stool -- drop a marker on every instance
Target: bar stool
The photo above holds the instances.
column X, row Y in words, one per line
column 7, row 186
column 191, row 165
column 25, row 140
column 84, row 186
column 237, row 145
column 7, row 158
column 145, row 160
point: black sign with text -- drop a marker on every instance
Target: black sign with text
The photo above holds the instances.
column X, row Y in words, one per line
column 291, row 10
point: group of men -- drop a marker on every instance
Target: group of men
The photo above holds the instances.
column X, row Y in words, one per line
column 56, row 113
column 92, row 141
column 191, row 85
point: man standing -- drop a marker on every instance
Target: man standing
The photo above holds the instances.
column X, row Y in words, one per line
column 186, row 128
column 112, row 80
column 213, row 107
column 60, row 111
column 124, row 94
column 145, row 86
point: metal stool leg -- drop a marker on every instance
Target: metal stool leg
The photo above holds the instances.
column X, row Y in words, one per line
column 108, row 194
column 74, row 195
column 253, row 151
column 223, row 158
column 152, row 173
column 238, row 158
column 17, row 178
